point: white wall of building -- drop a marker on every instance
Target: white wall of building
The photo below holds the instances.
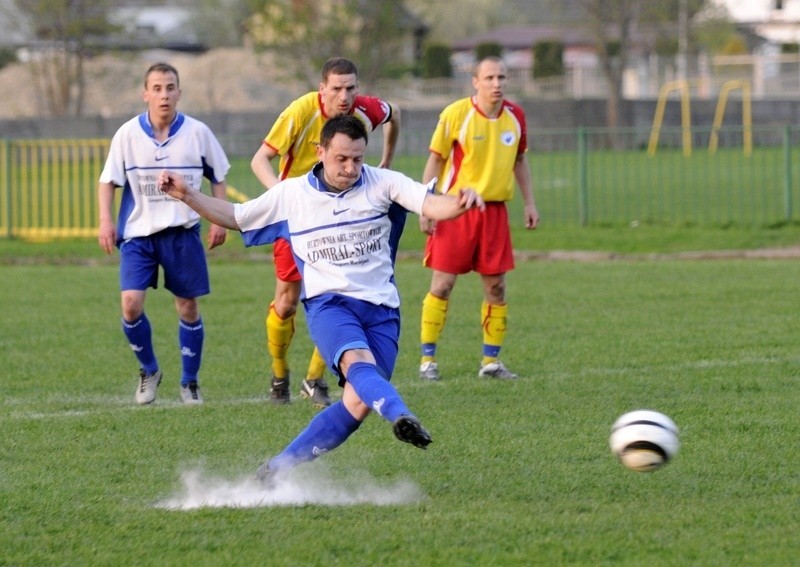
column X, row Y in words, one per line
column 749, row 11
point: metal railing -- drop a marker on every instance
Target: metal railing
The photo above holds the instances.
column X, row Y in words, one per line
column 49, row 187
column 607, row 177
column 588, row 176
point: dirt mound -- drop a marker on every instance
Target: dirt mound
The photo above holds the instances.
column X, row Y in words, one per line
column 221, row 80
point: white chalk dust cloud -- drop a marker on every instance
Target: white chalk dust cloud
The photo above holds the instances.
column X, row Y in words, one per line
column 295, row 488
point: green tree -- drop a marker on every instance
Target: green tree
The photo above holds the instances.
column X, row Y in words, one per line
column 309, row 32
column 714, row 31
column 612, row 24
column 384, row 32
column 220, row 22
column 67, row 32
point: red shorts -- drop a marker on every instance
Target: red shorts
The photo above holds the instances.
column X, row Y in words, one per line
column 285, row 268
column 475, row 241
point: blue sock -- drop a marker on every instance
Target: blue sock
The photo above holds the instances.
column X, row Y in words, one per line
column 375, row 391
column 327, row 430
column 491, row 350
column 140, row 339
column 428, row 349
column 190, row 339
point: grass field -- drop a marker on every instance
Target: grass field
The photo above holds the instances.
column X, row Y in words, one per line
column 518, row 474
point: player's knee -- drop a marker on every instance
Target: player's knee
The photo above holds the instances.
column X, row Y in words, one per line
column 442, row 284
column 497, row 292
column 441, row 292
column 188, row 309
column 442, row 288
column 358, row 409
column 132, row 307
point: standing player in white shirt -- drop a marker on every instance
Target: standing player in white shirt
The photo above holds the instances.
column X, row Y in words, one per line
column 155, row 230
column 337, row 221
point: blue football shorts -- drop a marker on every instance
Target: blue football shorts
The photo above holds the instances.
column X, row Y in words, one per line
column 179, row 251
column 338, row 323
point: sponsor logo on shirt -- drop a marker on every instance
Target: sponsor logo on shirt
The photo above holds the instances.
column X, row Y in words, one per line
column 351, row 248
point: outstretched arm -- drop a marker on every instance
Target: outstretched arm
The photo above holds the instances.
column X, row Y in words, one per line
column 217, row 211
column 444, row 207
column 217, row 234
column 432, row 168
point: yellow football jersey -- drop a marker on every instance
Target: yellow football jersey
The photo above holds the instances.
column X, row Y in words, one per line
column 296, row 132
column 479, row 151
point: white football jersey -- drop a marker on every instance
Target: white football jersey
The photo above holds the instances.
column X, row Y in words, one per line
column 342, row 242
column 136, row 158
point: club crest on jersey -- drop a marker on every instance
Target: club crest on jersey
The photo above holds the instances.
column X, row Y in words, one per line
column 507, row 138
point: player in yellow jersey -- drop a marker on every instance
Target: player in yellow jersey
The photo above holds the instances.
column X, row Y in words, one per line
column 479, row 143
column 294, row 137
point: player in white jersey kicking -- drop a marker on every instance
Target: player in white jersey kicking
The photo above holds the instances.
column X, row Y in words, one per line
column 154, row 230
column 343, row 238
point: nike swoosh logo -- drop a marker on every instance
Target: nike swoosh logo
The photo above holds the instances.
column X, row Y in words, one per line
column 161, row 158
column 340, row 212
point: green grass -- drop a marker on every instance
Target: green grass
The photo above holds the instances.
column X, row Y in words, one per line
column 631, row 237
column 54, row 188
column 519, row 473
column 617, row 240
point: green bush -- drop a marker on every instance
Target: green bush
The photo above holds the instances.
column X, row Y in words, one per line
column 436, row 61
column 548, row 59
column 613, row 48
column 398, row 70
column 7, row 57
column 488, row 49
column 667, row 46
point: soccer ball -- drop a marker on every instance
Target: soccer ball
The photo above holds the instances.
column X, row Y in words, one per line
column 644, row 440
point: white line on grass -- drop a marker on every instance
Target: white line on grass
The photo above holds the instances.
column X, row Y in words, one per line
column 696, row 365
column 106, row 404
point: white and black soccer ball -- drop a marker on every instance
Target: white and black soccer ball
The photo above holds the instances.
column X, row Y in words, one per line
column 644, row 440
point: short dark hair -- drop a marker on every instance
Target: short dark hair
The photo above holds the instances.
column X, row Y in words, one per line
column 346, row 124
column 338, row 66
column 161, row 68
column 492, row 58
